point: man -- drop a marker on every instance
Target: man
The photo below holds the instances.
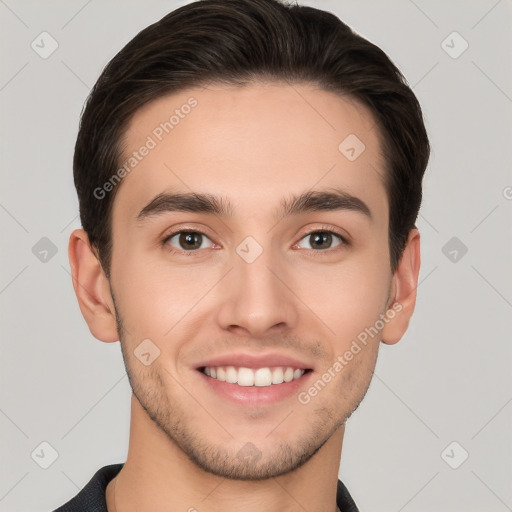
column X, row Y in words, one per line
column 249, row 176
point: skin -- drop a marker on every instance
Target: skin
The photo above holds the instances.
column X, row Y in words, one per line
column 254, row 145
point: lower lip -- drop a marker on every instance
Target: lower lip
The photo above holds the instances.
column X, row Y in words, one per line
column 256, row 395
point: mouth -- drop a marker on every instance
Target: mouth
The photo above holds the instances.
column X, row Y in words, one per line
column 255, row 380
column 254, row 377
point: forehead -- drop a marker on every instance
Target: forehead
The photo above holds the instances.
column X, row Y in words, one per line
column 251, row 144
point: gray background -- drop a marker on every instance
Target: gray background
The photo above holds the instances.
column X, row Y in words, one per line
column 449, row 379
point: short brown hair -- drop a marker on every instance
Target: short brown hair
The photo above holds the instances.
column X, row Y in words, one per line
column 235, row 42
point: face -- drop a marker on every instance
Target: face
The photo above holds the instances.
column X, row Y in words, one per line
column 246, row 277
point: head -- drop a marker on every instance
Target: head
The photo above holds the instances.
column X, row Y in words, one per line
column 292, row 151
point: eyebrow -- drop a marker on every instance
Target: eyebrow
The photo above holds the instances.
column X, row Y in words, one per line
column 311, row 201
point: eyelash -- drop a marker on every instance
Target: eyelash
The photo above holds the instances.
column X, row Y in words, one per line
column 322, row 229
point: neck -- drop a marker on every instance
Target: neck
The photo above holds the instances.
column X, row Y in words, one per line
column 158, row 476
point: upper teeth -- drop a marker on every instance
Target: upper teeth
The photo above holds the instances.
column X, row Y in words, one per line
column 249, row 377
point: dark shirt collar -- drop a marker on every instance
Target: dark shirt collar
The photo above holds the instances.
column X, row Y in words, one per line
column 92, row 497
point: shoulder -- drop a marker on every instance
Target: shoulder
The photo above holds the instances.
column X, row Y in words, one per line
column 344, row 499
column 92, row 497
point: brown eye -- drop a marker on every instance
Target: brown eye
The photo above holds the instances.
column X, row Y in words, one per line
column 187, row 240
column 322, row 240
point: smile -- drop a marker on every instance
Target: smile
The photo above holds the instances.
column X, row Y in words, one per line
column 260, row 377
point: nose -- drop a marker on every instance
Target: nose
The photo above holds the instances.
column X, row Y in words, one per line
column 257, row 298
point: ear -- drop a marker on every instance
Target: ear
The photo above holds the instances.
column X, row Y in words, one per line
column 403, row 291
column 92, row 288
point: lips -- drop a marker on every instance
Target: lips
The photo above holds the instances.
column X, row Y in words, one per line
column 255, row 362
column 255, row 380
column 260, row 377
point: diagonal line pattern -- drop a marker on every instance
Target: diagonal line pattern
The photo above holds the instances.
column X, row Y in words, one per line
column 508, row 508
column 14, row 218
column 410, row 409
column 216, row 216
column 73, row 73
column 403, row 506
column 70, row 480
column 302, row 302
column 429, row 223
column 501, row 409
column 69, row 223
column 485, row 15
column 194, row 305
column 199, row 403
column 309, row 190
column 306, row 101
column 424, row 14
column 493, row 287
column 126, row 330
column 97, row 402
column 76, row 14
column 492, row 81
column 427, row 276
column 213, row 490
column 5, row 495
column 425, row 75
column 15, row 424
column 13, row 279
column 2, row 1
column 281, row 422
column 492, row 211
column 291, row 496
column 14, row 76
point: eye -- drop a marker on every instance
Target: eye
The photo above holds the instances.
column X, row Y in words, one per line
column 189, row 241
column 192, row 241
column 323, row 239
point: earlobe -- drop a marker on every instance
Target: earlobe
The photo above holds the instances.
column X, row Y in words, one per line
column 404, row 286
column 91, row 288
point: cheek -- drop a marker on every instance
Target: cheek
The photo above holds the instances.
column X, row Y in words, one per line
column 348, row 298
column 158, row 297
